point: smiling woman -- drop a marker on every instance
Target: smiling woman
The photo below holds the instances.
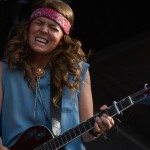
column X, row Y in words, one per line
column 44, row 36
column 45, row 81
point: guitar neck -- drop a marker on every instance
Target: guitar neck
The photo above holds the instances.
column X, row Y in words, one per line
column 87, row 125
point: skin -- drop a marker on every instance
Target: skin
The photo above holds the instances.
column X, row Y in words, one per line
column 43, row 37
column 86, row 111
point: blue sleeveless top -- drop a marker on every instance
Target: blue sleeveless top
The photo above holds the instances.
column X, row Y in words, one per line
column 17, row 113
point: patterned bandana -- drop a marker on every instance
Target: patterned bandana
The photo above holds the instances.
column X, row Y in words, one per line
column 54, row 15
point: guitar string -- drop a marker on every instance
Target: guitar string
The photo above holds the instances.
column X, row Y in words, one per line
column 83, row 126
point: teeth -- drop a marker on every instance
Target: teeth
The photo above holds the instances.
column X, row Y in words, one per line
column 41, row 40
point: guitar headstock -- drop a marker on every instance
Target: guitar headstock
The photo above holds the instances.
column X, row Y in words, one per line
column 147, row 88
column 142, row 96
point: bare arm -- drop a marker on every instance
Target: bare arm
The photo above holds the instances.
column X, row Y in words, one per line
column 86, row 111
column 85, row 101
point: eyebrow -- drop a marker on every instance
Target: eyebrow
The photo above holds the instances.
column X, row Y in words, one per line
column 51, row 21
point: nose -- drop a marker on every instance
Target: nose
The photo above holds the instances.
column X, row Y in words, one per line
column 44, row 29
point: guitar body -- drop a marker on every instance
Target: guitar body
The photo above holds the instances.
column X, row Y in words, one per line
column 32, row 138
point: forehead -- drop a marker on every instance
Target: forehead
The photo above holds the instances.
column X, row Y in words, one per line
column 46, row 20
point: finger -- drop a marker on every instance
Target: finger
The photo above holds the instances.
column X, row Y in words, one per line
column 96, row 128
column 101, row 124
column 109, row 118
column 103, row 107
column 108, row 122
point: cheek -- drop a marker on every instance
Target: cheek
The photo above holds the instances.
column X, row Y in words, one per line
column 30, row 34
column 32, row 30
column 58, row 37
column 29, row 38
column 54, row 38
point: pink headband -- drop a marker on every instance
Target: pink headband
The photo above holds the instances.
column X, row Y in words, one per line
column 54, row 15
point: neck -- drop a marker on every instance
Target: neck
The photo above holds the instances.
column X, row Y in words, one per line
column 40, row 61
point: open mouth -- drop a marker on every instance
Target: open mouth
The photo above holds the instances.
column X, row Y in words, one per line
column 41, row 41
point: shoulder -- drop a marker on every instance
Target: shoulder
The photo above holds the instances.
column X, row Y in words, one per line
column 84, row 70
column 84, row 64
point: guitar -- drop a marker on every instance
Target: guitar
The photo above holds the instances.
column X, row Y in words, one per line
column 39, row 137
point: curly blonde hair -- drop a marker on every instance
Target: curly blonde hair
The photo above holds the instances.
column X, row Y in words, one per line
column 66, row 58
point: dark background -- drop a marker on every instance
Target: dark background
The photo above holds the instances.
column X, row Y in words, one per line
column 119, row 35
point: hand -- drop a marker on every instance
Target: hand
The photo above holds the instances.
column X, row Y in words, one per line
column 104, row 122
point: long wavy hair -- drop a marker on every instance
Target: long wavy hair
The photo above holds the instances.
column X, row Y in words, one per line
column 65, row 59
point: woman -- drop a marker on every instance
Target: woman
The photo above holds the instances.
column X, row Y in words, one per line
column 45, row 69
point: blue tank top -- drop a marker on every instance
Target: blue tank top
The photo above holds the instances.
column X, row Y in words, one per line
column 17, row 113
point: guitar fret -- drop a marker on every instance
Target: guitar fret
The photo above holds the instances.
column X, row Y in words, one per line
column 90, row 123
column 84, row 126
column 120, row 105
column 74, row 132
column 71, row 134
column 64, row 138
column 60, row 140
column 124, row 104
column 77, row 130
column 68, row 136
column 53, row 144
column 81, row 127
column 55, row 140
column 111, row 111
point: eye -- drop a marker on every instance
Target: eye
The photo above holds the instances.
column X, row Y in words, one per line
column 54, row 28
column 38, row 22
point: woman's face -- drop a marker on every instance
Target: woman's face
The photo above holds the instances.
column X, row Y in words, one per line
column 44, row 35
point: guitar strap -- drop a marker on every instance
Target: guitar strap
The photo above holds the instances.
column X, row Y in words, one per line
column 55, row 113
